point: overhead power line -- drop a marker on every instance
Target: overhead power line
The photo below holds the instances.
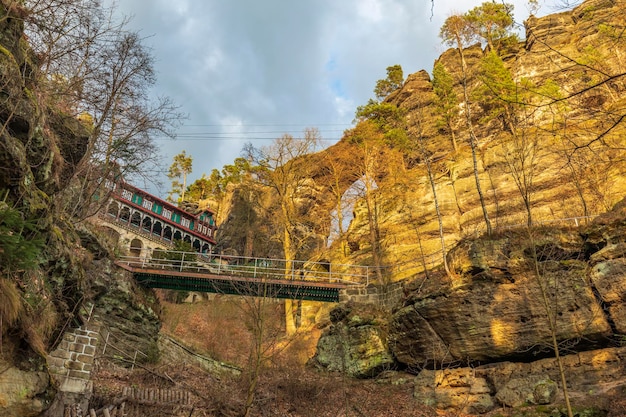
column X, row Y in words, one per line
column 303, row 125
column 222, row 138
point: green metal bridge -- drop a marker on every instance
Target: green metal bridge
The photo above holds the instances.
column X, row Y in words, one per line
column 245, row 276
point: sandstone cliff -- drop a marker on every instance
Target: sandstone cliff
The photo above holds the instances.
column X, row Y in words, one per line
column 570, row 164
column 484, row 339
column 494, row 310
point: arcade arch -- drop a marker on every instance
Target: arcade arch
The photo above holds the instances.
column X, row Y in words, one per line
column 135, row 247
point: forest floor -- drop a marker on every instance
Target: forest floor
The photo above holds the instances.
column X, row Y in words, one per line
column 223, row 329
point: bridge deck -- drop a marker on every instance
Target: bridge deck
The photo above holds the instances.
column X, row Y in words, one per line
column 222, row 283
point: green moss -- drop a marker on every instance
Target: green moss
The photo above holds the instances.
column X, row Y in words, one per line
column 152, row 354
column 6, row 52
column 30, row 95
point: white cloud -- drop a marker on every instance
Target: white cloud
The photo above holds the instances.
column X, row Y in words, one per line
column 303, row 63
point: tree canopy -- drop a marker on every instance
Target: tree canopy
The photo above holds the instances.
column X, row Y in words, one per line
column 180, row 168
column 394, row 80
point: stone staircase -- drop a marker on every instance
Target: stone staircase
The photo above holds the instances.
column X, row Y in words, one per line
column 141, row 402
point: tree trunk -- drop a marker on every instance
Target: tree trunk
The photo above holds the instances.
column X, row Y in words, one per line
column 473, row 141
column 290, row 321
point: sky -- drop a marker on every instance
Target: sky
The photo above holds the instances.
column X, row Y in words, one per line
column 250, row 71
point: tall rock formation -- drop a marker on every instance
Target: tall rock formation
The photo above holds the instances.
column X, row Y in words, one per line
column 565, row 160
column 504, row 290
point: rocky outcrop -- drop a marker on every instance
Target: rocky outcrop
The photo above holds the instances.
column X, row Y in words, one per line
column 23, row 392
column 504, row 291
column 481, row 389
column 500, row 300
column 355, row 342
column 42, row 146
column 496, row 314
column 127, row 311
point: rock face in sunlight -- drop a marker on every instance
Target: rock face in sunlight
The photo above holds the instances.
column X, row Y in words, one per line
column 494, row 311
column 505, row 290
column 494, row 308
column 561, row 167
column 509, row 294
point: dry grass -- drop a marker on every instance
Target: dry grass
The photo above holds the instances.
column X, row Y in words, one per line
column 284, row 392
column 220, row 328
column 10, row 302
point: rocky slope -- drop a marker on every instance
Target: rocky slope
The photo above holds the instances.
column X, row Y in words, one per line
column 493, row 317
column 60, row 269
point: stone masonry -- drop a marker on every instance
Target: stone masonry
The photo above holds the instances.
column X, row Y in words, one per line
column 71, row 362
column 374, row 294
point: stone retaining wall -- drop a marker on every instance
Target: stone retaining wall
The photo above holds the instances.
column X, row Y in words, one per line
column 72, row 361
column 386, row 297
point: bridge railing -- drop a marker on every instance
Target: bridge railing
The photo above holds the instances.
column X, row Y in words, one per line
column 250, row 267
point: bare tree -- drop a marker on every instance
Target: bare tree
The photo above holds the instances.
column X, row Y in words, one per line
column 265, row 337
column 537, row 260
column 456, row 32
column 420, row 139
column 513, row 104
column 374, row 159
column 341, row 167
column 281, row 168
column 95, row 69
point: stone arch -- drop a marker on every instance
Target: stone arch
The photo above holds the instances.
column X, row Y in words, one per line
column 196, row 245
column 135, row 219
column 125, row 214
column 206, row 248
column 178, row 235
column 135, row 247
column 187, row 239
column 167, row 233
column 111, row 234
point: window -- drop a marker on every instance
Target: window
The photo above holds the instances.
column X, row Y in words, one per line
column 127, row 195
column 167, row 214
column 184, row 222
column 147, row 204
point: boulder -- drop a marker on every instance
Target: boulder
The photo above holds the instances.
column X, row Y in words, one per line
column 458, row 389
column 480, row 389
column 354, row 343
column 534, row 389
column 23, row 393
column 495, row 309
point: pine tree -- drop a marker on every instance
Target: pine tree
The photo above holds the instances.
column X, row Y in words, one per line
column 180, row 168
